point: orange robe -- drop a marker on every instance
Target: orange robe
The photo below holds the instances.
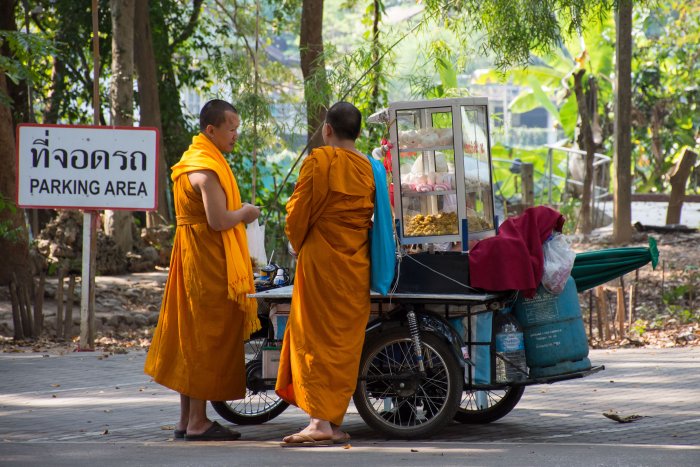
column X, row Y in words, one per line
column 197, row 348
column 328, row 218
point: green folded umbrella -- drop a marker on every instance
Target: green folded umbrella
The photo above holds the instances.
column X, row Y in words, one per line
column 593, row 268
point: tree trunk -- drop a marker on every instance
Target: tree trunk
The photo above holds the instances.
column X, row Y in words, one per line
column 588, row 144
column 118, row 224
column 678, row 181
column 313, row 68
column 15, row 268
column 622, row 183
column 18, row 92
column 149, row 104
column 15, row 245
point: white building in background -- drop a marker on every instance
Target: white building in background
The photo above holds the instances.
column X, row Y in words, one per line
column 530, row 129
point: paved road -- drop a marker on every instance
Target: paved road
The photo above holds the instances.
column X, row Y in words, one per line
column 92, row 409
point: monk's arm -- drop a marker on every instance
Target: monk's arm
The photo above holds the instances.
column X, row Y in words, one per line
column 219, row 218
column 299, row 205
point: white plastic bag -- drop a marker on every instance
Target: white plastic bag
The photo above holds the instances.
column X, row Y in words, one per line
column 256, row 242
column 558, row 261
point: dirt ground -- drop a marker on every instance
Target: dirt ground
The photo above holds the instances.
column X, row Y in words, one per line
column 667, row 311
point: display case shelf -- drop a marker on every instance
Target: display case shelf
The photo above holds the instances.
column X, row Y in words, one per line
column 427, row 148
column 430, row 193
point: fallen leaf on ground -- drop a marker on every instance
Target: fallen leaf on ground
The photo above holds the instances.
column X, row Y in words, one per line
column 347, row 446
column 167, row 427
column 613, row 415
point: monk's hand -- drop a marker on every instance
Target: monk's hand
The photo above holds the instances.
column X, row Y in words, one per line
column 249, row 213
column 291, row 249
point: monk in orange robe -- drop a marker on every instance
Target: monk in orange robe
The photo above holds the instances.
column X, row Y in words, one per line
column 206, row 315
column 328, row 219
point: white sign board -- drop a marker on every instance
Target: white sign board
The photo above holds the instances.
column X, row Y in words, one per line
column 87, row 167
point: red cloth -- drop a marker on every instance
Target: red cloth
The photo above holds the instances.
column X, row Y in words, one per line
column 513, row 260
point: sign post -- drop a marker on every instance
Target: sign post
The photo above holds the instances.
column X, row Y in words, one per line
column 89, row 168
column 87, row 287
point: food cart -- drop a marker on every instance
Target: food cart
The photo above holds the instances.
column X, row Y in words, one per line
column 430, row 351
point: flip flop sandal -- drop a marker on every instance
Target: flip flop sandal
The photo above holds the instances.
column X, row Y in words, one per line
column 179, row 434
column 215, row 432
column 344, row 438
column 306, row 441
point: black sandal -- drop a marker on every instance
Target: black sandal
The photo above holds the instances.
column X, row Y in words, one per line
column 216, row 432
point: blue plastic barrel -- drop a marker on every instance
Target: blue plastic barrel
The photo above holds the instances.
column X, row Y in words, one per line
column 555, row 337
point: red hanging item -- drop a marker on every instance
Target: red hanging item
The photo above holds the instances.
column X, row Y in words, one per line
column 513, row 259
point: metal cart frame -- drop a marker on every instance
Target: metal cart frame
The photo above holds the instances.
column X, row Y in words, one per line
column 418, row 325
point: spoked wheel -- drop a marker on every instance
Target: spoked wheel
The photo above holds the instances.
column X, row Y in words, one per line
column 488, row 405
column 260, row 403
column 393, row 397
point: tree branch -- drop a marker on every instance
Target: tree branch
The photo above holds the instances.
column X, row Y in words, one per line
column 188, row 30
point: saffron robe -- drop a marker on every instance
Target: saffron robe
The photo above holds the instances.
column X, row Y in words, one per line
column 328, row 218
column 197, row 348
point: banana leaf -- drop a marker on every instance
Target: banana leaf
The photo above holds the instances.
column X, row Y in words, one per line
column 592, row 268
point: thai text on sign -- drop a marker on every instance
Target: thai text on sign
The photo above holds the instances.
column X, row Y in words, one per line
column 82, row 167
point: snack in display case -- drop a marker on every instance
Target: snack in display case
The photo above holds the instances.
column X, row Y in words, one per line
column 438, row 224
column 425, row 138
column 441, row 170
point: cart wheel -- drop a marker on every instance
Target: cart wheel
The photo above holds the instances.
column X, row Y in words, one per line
column 488, row 405
column 394, row 398
column 260, row 404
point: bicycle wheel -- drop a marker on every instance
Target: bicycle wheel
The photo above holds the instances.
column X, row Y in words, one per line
column 393, row 397
column 260, row 403
column 488, row 405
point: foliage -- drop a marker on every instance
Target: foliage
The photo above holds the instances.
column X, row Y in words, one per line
column 666, row 95
column 513, row 29
column 258, row 86
column 62, row 86
column 25, row 49
column 548, row 82
column 7, row 229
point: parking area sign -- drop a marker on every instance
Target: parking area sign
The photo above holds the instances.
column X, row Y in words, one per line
column 87, row 167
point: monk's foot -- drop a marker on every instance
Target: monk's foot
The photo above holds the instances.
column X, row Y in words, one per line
column 199, row 428
column 340, row 436
column 180, row 431
column 309, row 433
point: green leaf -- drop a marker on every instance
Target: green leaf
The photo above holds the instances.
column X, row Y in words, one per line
column 448, row 74
column 542, row 98
column 524, row 102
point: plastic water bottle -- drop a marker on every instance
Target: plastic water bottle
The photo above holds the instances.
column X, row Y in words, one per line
column 510, row 344
column 279, row 278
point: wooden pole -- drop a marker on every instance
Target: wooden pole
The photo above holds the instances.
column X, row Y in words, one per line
column 528, row 182
column 30, row 316
column 621, row 312
column 23, row 311
column 630, row 315
column 59, row 304
column 600, row 298
column 602, row 313
column 39, row 304
column 87, row 296
column 68, row 319
column 16, row 312
column 87, row 289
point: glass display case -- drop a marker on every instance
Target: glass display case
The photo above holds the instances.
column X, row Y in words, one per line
column 441, row 162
